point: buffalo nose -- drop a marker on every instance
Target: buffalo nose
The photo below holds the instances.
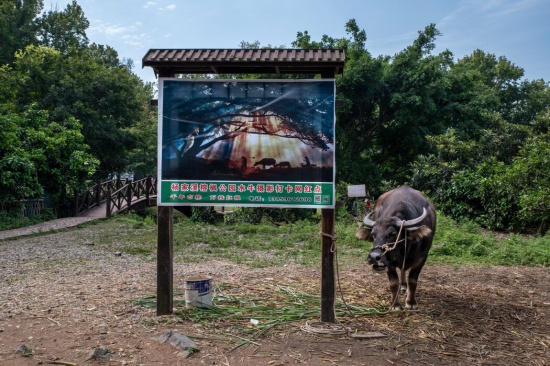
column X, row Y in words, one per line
column 375, row 256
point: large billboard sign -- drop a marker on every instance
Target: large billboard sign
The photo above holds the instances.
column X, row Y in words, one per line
column 267, row 143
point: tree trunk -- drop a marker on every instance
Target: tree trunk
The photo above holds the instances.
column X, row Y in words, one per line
column 543, row 228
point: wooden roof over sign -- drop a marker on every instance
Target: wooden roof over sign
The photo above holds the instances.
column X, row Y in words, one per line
column 245, row 61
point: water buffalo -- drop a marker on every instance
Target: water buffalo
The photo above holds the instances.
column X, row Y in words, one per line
column 266, row 162
column 401, row 227
column 283, row 164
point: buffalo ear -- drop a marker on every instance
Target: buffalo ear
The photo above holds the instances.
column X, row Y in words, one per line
column 363, row 234
column 419, row 232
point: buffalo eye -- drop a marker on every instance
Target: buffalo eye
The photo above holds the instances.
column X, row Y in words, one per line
column 373, row 233
column 391, row 233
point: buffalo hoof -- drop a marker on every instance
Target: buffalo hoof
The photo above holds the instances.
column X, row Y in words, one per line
column 396, row 308
column 410, row 306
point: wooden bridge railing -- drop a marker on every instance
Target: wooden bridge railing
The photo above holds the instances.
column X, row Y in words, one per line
column 94, row 195
column 117, row 193
column 122, row 198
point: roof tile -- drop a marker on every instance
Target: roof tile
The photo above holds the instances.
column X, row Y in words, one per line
column 174, row 61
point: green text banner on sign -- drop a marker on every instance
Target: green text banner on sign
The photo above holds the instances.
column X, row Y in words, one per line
column 263, row 143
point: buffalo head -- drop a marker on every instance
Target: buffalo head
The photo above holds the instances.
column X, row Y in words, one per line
column 388, row 232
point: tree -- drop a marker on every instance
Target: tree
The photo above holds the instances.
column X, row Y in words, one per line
column 17, row 26
column 107, row 100
column 64, row 30
column 17, row 170
column 37, row 154
column 414, row 105
column 389, row 106
column 532, row 189
column 61, row 157
column 64, row 99
column 500, row 80
column 142, row 160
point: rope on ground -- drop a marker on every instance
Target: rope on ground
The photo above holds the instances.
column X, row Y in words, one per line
column 324, row 328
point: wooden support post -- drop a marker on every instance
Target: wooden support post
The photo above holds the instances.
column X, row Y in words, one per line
column 165, row 251
column 98, row 193
column 327, row 266
column 129, row 194
column 165, row 260
column 148, row 185
column 327, row 253
column 108, row 203
column 76, row 202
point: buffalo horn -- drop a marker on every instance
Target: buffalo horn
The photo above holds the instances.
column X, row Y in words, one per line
column 368, row 221
column 413, row 222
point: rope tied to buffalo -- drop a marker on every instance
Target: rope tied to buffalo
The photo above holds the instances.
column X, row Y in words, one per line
column 319, row 327
column 333, row 238
column 387, row 247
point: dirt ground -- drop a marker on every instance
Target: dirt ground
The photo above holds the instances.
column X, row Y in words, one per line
column 62, row 295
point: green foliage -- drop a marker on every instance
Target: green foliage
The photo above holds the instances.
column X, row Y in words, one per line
column 266, row 244
column 17, row 179
column 10, row 221
column 108, row 101
column 17, row 26
column 37, row 154
column 64, row 100
column 206, row 214
column 390, row 105
column 479, row 181
column 142, row 159
column 256, row 215
column 63, row 30
column 528, row 179
column 472, row 134
column 466, row 243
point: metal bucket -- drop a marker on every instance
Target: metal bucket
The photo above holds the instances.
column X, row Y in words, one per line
column 198, row 292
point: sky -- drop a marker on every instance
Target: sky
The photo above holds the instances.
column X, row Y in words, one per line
column 516, row 29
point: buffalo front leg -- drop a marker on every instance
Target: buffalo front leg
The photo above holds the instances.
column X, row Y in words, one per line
column 403, row 281
column 412, row 280
column 394, row 288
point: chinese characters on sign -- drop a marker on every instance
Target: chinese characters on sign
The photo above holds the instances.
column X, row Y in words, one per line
column 248, row 192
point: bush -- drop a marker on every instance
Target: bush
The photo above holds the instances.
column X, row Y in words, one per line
column 465, row 242
column 255, row 215
column 10, row 221
column 206, row 214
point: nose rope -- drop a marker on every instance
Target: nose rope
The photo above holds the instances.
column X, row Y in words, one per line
column 387, row 247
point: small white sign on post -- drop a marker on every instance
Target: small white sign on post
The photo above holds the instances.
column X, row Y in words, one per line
column 357, row 191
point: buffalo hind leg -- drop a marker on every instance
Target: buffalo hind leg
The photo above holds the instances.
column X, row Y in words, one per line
column 394, row 288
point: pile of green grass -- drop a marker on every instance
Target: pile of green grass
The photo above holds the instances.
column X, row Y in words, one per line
column 242, row 320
